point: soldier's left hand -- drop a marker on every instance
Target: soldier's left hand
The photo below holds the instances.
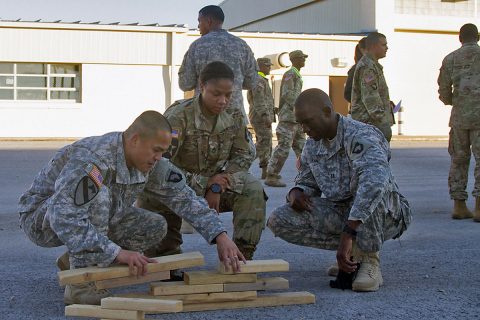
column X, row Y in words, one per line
column 228, row 253
column 213, row 200
column 344, row 254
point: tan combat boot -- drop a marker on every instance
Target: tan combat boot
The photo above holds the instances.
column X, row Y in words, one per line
column 460, row 210
column 476, row 216
column 264, row 173
column 369, row 277
column 63, row 262
column 84, row 293
column 273, row 180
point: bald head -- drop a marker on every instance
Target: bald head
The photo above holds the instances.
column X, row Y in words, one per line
column 148, row 125
column 313, row 98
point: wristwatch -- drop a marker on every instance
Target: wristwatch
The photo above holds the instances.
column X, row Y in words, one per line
column 215, row 188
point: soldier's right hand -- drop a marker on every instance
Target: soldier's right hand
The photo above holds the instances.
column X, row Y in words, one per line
column 223, row 179
column 299, row 201
column 136, row 261
column 213, row 200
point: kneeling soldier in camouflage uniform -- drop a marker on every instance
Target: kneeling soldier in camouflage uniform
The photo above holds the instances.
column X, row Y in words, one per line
column 214, row 150
column 345, row 197
column 84, row 198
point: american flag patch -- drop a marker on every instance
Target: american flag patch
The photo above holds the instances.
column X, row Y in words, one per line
column 96, row 176
column 174, row 133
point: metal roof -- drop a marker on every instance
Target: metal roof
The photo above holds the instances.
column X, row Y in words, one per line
column 104, row 23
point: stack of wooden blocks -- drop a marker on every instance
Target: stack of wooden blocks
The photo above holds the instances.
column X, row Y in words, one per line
column 200, row 290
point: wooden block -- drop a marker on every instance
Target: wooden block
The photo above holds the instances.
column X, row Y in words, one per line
column 209, row 277
column 274, row 283
column 212, row 297
column 84, row 310
column 132, row 280
column 270, row 300
column 179, row 287
column 177, row 261
column 146, row 305
column 256, row 266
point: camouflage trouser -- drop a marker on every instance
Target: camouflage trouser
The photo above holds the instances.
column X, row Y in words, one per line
column 134, row 229
column 247, row 201
column 460, row 146
column 289, row 135
column 322, row 227
column 263, row 135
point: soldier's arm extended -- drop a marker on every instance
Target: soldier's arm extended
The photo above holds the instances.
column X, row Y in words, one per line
column 71, row 212
column 445, row 81
column 250, row 69
column 187, row 74
column 369, row 154
column 169, row 186
column 369, row 94
column 243, row 152
column 305, row 179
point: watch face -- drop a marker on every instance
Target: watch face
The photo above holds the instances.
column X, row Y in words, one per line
column 216, row 188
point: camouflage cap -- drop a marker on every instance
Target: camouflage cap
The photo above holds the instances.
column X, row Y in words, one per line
column 264, row 61
column 297, row 54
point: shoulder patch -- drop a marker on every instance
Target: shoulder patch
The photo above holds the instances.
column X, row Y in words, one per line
column 368, row 77
column 174, row 144
column 96, row 176
column 174, row 176
column 358, row 148
column 86, row 190
column 287, row 76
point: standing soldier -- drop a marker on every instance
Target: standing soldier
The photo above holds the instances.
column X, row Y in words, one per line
column 289, row 132
column 216, row 44
column 459, row 86
column 214, row 151
column 370, row 99
column 262, row 114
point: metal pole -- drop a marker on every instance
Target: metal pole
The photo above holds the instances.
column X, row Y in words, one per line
column 400, row 121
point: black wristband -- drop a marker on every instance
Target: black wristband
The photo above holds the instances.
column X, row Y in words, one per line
column 350, row 231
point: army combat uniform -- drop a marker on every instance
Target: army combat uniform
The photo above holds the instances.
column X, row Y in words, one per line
column 459, row 86
column 289, row 132
column 348, row 178
column 203, row 147
column 261, row 115
column 219, row 45
column 84, row 199
column 370, row 98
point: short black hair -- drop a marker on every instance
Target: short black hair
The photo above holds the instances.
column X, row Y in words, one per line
column 148, row 124
column 314, row 97
column 216, row 70
column 213, row 12
column 373, row 38
column 468, row 33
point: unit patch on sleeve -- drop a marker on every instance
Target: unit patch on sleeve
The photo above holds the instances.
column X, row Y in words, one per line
column 86, row 190
column 174, row 176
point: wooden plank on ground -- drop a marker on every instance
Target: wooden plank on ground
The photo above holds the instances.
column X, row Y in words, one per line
column 179, row 287
column 209, row 277
column 84, row 310
column 274, row 283
column 132, row 280
column 212, row 297
column 270, row 300
column 256, row 266
column 146, row 305
column 177, row 261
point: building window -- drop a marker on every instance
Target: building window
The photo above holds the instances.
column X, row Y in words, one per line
column 40, row 82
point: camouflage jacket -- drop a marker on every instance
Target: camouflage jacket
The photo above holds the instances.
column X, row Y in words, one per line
column 202, row 152
column 95, row 168
column 353, row 168
column 459, row 86
column 290, row 89
column 370, row 99
column 261, row 103
column 220, row 46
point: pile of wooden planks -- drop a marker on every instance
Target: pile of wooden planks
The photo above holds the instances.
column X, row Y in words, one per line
column 200, row 290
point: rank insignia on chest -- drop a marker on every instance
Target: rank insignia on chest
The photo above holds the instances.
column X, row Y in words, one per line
column 174, row 176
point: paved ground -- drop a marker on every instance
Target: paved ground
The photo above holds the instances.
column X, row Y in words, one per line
column 432, row 272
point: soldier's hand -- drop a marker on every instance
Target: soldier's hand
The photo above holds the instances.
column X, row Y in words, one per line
column 213, row 200
column 228, row 253
column 136, row 261
column 223, row 179
column 299, row 201
column 344, row 254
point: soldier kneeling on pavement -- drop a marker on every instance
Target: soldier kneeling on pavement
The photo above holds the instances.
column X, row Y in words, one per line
column 345, row 197
column 84, row 199
column 214, row 150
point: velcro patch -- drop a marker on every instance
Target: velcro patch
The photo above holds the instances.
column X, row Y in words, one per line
column 287, row 76
column 96, row 176
column 174, row 176
column 173, row 145
column 358, row 148
column 86, row 190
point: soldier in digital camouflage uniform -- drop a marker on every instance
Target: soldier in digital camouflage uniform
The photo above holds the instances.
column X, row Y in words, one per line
column 459, row 86
column 289, row 133
column 262, row 113
column 214, row 151
column 84, row 198
column 345, row 197
column 216, row 44
column 370, row 98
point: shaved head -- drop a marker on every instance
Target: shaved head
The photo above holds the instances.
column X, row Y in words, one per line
column 315, row 98
column 148, row 125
